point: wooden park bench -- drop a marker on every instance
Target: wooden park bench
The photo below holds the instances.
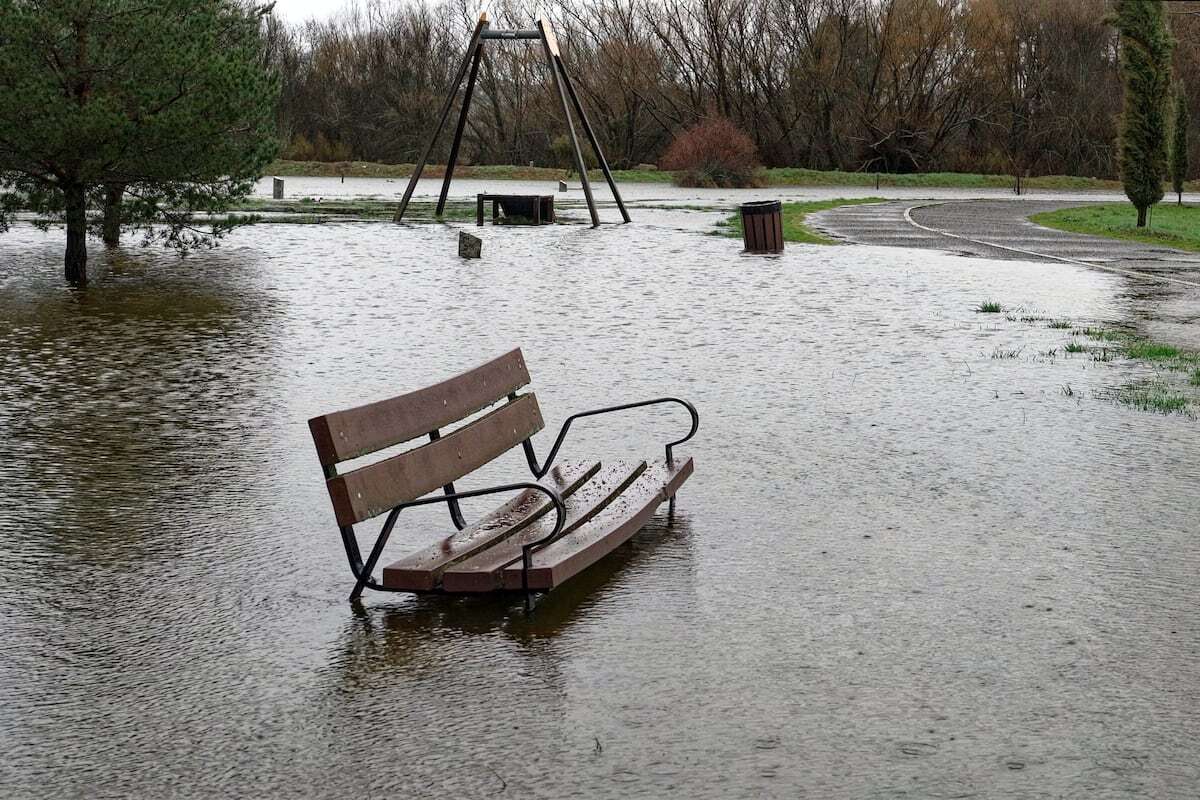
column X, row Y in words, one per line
column 560, row 522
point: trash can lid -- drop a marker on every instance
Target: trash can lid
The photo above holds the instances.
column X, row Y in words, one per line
column 761, row 207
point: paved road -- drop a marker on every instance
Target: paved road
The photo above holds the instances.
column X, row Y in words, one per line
column 1000, row 229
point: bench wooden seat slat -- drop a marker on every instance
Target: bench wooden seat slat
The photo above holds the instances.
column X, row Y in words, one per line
column 481, row 572
column 348, row 434
column 617, row 523
column 421, row 571
column 374, row 489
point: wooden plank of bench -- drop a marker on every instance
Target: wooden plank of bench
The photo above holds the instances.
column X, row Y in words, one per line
column 587, row 544
column 481, row 573
column 343, row 435
column 422, row 570
column 374, row 489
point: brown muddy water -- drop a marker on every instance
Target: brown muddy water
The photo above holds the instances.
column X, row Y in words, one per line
column 908, row 565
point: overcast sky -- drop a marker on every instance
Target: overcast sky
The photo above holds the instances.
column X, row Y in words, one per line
column 300, row 10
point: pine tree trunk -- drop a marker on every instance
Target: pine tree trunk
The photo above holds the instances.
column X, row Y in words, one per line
column 76, row 259
column 1141, row 223
column 112, row 214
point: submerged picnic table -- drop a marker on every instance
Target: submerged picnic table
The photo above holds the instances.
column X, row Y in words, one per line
column 537, row 207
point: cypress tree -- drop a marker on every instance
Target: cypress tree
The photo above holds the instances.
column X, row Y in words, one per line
column 1146, row 74
column 1179, row 144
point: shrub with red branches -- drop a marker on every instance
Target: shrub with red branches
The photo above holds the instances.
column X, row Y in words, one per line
column 713, row 153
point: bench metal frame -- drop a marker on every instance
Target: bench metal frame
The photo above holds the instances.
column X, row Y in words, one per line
column 363, row 570
column 566, row 91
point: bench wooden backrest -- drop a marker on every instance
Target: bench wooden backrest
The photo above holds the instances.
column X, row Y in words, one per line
column 376, row 488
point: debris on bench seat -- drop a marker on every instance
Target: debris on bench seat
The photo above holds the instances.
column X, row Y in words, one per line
column 422, row 570
column 481, row 573
column 578, row 549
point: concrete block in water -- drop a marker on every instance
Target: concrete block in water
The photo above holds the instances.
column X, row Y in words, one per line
column 469, row 246
column 277, row 188
column 562, row 186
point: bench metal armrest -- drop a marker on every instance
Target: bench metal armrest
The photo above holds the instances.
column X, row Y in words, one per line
column 364, row 574
column 562, row 434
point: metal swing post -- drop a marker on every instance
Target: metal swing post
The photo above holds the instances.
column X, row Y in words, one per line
column 462, row 124
column 550, row 45
column 449, row 104
column 591, row 135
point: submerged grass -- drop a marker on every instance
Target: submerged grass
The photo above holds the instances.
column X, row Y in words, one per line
column 773, row 176
column 1145, row 350
column 1139, row 348
column 500, row 172
column 794, row 229
column 1171, row 225
column 308, row 209
column 988, row 307
column 1154, row 397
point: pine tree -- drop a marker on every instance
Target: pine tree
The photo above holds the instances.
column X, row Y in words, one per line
column 1179, row 144
column 150, row 111
column 1146, row 74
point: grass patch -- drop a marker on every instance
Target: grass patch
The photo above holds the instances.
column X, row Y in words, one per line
column 1074, row 347
column 1142, row 349
column 988, row 307
column 1060, row 324
column 500, row 172
column 1145, row 350
column 796, row 176
column 1154, row 397
column 1194, row 380
column 1001, row 353
column 774, row 176
column 1173, row 225
column 1101, row 334
column 794, row 229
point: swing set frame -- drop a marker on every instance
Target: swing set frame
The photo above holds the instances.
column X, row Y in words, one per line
column 567, row 95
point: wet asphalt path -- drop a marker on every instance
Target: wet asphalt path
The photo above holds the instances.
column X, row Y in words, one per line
column 1164, row 283
column 997, row 229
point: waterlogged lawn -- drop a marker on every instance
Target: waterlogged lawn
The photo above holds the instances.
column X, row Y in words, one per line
column 1170, row 225
column 794, row 229
column 772, row 176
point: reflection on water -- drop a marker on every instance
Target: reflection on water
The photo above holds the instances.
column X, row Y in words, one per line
column 902, row 568
column 396, row 634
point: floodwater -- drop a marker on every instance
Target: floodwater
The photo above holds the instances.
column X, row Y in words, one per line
column 654, row 194
column 906, row 565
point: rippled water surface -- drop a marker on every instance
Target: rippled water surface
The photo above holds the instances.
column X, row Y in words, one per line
column 903, row 568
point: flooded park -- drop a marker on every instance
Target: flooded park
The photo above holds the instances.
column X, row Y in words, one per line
column 926, row 552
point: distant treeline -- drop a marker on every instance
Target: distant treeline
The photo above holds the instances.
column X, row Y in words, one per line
column 1005, row 86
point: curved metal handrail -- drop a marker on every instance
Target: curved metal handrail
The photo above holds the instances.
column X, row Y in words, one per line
column 540, row 471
